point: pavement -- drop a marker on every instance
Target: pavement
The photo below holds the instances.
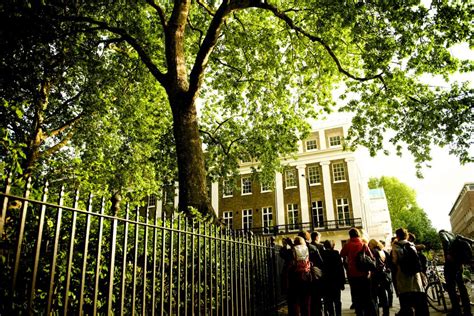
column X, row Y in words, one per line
column 346, row 303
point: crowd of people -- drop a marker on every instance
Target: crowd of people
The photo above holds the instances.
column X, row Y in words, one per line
column 314, row 275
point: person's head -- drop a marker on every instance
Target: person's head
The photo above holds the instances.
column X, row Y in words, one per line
column 374, row 244
column 382, row 242
column 305, row 235
column 329, row 244
column 411, row 237
column 401, row 233
column 299, row 241
column 354, row 232
column 315, row 236
column 393, row 239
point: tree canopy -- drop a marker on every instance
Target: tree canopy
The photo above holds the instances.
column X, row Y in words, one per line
column 405, row 211
column 243, row 75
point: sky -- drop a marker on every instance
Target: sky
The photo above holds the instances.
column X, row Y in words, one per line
column 436, row 192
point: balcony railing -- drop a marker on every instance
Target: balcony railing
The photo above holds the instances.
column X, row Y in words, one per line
column 338, row 224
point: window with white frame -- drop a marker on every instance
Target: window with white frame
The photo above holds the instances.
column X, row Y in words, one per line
column 293, row 216
column 246, row 185
column 267, row 219
column 339, row 172
column 247, row 219
column 290, row 179
column 311, row 144
column 343, row 213
column 151, row 200
column 266, row 187
column 227, row 188
column 335, row 141
column 228, row 219
column 317, row 212
column 314, row 176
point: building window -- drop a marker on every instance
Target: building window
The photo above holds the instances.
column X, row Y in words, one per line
column 227, row 188
column 290, row 179
column 227, row 219
column 314, row 176
column 339, row 172
column 317, row 211
column 246, row 185
column 267, row 219
column 311, row 144
column 335, row 141
column 293, row 217
column 247, row 219
column 343, row 214
column 266, row 187
column 151, row 201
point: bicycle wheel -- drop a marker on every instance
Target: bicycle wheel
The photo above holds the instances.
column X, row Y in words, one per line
column 436, row 296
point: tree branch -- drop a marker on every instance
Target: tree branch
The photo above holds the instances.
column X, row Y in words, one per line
column 144, row 56
column 282, row 16
column 206, row 7
column 160, row 11
column 229, row 66
column 66, row 125
column 48, row 152
column 210, row 40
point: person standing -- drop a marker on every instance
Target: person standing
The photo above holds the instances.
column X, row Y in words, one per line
column 359, row 281
column 453, row 267
column 287, row 279
column 408, row 285
column 381, row 279
column 333, row 279
column 317, row 287
column 301, row 284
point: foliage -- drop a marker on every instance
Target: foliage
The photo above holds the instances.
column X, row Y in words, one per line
column 69, row 110
column 242, row 75
column 404, row 210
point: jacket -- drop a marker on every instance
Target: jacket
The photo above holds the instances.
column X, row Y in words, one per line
column 405, row 283
column 350, row 251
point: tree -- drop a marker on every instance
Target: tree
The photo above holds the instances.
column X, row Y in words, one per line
column 61, row 114
column 260, row 67
column 404, row 210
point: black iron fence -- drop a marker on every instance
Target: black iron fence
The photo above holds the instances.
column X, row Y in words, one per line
column 331, row 225
column 96, row 257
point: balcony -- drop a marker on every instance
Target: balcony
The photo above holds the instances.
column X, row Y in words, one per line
column 333, row 225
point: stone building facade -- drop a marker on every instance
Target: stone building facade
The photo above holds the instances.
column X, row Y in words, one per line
column 320, row 189
column 462, row 213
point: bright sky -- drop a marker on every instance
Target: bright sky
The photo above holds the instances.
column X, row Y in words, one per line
column 436, row 192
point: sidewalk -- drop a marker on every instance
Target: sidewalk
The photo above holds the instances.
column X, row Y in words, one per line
column 346, row 303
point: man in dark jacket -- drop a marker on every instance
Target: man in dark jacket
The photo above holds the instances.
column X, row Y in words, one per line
column 453, row 268
column 317, row 286
column 333, row 279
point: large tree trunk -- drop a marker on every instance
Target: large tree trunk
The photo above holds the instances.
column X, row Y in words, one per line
column 193, row 190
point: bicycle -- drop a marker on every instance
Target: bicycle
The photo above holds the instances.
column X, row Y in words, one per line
column 436, row 288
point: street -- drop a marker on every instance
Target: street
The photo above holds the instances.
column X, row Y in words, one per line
column 346, row 303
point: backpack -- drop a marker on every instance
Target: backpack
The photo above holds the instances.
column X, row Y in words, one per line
column 461, row 250
column 409, row 260
column 302, row 266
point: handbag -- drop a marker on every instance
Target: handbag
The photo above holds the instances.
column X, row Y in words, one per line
column 364, row 262
column 316, row 273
